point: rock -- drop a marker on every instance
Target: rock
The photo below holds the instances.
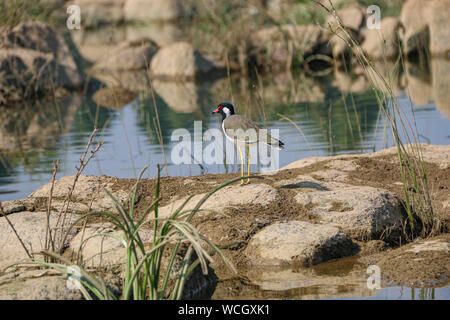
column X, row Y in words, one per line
column 37, row 285
column 129, row 56
column 162, row 10
column 275, row 46
column 352, row 17
column 89, row 191
column 383, row 43
column 298, row 243
column 33, row 59
column 415, row 17
column 254, row 194
column 419, row 264
column 94, row 44
column 362, row 212
column 17, row 205
column 439, row 155
column 162, row 34
column 429, row 245
column 440, row 28
column 100, row 12
column 115, row 97
column 31, row 227
column 181, row 61
column 341, row 49
column 102, row 251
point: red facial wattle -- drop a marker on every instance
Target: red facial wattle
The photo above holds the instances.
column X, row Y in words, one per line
column 218, row 109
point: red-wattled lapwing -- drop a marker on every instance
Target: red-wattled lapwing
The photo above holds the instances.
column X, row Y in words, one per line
column 243, row 131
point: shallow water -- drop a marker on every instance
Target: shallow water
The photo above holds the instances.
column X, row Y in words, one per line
column 344, row 278
column 329, row 119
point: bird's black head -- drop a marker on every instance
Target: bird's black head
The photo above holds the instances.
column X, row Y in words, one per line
column 225, row 109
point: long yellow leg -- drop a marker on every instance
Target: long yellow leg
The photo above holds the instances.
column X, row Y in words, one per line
column 242, row 166
column 248, row 163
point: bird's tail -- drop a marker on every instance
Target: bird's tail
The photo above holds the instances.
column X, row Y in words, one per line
column 280, row 145
column 275, row 143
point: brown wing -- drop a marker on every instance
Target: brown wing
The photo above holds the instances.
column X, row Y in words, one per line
column 241, row 129
column 244, row 130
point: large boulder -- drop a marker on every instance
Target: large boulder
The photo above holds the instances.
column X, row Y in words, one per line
column 89, row 193
column 383, row 43
column 162, row 10
column 277, row 46
column 162, row 34
column 94, row 44
column 34, row 58
column 254, row 194
column 298, row 243
column 440, row 28
column 37, row 285
column 31, row 228
column 181, row 61
column 100, row 12
column 362, row 212
column 415, row 17
column 352, row 17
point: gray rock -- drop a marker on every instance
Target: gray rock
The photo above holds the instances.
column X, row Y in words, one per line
column 102, row 251
column 352, row 17
column 439, row 155
column 34, row 58
column 31, row 227
column 261, row 194
column 100, row 12
column 415, row 17
column 36, row 285
column 161, row 10
column 383, row 43
column 89, row 191
column 298, row 243
column 362, row 212
column 275, row 46
column 440, row 28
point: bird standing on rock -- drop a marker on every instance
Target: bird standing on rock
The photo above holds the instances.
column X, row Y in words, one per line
column 244, row 132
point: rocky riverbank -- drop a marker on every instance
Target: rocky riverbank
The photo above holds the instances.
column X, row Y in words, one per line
column 314, row 212
column 182, row 41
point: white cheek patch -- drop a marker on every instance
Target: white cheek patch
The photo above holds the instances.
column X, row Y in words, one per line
column 226, row 111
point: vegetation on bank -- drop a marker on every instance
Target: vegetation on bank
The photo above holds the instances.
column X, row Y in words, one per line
column 13, row 12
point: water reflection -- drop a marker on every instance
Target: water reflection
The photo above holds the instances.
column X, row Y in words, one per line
column 332, row 114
